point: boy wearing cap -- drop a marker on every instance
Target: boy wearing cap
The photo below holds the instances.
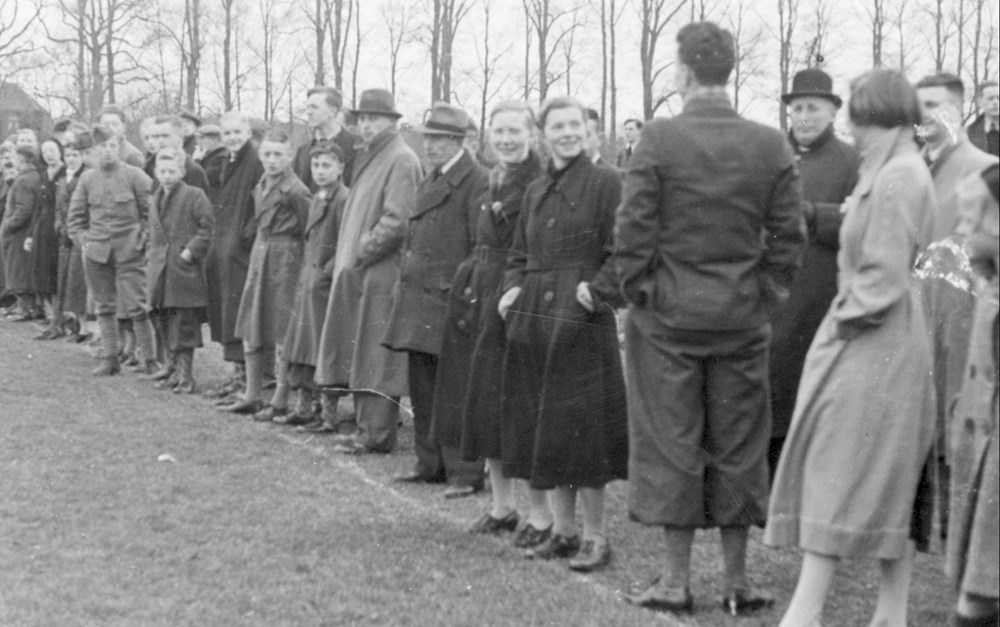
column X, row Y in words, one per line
column 107, row 218
column 313, row 293
column 440, row 234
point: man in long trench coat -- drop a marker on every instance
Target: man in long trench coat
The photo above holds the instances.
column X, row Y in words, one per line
column 366, row 268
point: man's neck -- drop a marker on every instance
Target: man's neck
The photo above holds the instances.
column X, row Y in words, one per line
column 706, row 91
column 329, row 130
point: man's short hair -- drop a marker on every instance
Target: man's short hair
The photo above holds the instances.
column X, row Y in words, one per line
column 28, row 131
column 332, row 95
column 327, row 148
column 708, row 50
column 637, row 122
column 952, row 83
column 174, row 154
column 278, row 136
column 113, row 110
column 883, row 98
column 235, row 116
column 559, row 102
column 984, row 86
column 592, row 114
column 174, row 121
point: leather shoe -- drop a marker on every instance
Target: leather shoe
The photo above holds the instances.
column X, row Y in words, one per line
column 243, row 407
column 488, row 525
column 742, row 602
column 319, row 427
column 417, row 477
column 49, row 334
column 107, row 368
column 593, row 554
column 529, row 536
column 269, row 413
column 555, row 546
column 294, row 419
column 458, row 491
column 354, row 447
column 655, row 597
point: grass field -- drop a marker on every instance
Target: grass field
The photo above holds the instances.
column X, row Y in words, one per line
column 255, row 524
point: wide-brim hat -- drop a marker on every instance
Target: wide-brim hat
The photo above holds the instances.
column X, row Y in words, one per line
column 812, row 82
column 445, row 119
column 377, row 102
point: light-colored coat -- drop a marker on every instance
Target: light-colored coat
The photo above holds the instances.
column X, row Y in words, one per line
column 864, row 420
column 366, row 268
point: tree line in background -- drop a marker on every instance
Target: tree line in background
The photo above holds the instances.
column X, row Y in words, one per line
column 260, row 55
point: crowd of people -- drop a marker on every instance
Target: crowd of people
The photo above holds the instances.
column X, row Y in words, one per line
column 729, row 318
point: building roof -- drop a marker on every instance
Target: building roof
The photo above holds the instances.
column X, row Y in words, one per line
column 13, row 98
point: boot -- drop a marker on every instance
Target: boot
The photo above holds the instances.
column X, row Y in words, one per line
column 109, row 366
column 185, row 375
column 109, row 347
column 163, row 372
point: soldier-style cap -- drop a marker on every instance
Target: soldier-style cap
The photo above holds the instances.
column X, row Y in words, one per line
column 209, row 130
column 100, row 134
column 445, row 119
column 82, row 140
column 327, row 148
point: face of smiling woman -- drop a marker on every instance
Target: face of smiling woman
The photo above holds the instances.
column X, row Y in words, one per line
column 564, row 133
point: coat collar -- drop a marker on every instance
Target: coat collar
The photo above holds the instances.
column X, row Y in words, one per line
column 821, row 140
column 896, row 141
column 377, row 145
column 433, row 193
column 321, row 205
column 708, row 105
column 569, row 182
column 163, row 199
column 283, row 186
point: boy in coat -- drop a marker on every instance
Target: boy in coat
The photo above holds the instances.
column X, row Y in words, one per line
column 312, row 294
column 281, row 207
column 180, row 225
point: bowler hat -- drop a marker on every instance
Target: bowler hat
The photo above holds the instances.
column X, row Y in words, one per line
column 188, row 114
column 209, row 130
column 812, row 82
column 377, row 102
column 100, row 134
column 82, row 141
column 445, row 119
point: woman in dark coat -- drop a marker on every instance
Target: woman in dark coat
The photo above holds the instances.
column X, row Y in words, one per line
column 22, row 203
column 467, row 411
column 45, row 236
column 563, row 395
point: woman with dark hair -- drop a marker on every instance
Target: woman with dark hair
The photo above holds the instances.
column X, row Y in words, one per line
column 864, row 418
column 563, row 395
column 43, row 232
column 15, row 232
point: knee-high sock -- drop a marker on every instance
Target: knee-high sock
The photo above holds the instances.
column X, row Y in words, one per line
column 184, row 363
column 108, row 326
column 144, row 337
column 254, row 374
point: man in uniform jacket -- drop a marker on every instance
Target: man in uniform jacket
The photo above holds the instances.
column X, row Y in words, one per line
column 235, row 228
column 441, row 234
column 708, row 239
column 366, row 268
column 984, row 131
column 322, row 106
column 107, row 218
column 829, row 170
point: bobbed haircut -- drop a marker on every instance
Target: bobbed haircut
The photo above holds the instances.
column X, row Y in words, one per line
column 559, row 102
column 883, row 98
column 952, row 83
column 112, row 110
column 708, row 51
column 515, row 106
column 53, row 140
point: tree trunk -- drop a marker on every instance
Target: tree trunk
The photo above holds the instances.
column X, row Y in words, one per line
column 320, row 25
column 81, row 61
column 613, row 76
column 194, row 56
column 227, row 46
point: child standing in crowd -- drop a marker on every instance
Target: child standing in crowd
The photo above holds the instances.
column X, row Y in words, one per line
column 313, row 291
column 281, row 206
column 180, row 226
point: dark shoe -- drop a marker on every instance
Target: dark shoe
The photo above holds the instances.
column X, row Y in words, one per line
column 556, row 546
column 655, row 597
column 354, row 447
column 109, row 366
column 416, row 477
column 294, row 419
column 746, row 602
column 318, row 426
column 487, row 525
column 456, row 491
column 594, row 554
column 243, row 407
column 528, row 537
column 184, row 387
column 49, row 334
column 163, row 372
column 269, row 413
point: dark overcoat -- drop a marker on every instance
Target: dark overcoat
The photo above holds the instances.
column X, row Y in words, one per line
column 563, row 394
column 281, row 212
column 178, row 220
column 23, row 200
column 829, row 171
column 235, row 229
column 466, row 398
column 213, row 163
column 43, row 231
column 366, row 268
column 313, row 292
column 194, row 174
column 440, row 234
column 72, row 282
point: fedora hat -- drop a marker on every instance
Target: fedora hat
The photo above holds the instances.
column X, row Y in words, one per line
column 209, row 130
column 188, row 114
column 812, row 82
column 377, row 102
column 445, row 119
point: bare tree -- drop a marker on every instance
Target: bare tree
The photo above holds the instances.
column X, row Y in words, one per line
column 446, row 16
column 319, row 19
column 542, row 17
column 654, row 16
column 983, row 40
column 339, row 27
column 822, row 15
column 902, row 26
column 399, row 24
column 878, row 20
column 488, row 58
column 941, row 31
column 959, row 18
column 357, row 50
column 227, row 48
column 788, row 15
column 192, row 23
column 747, row 39
column 272, row 19
column 16, row 19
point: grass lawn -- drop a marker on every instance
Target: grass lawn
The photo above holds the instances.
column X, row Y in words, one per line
column 255, row 524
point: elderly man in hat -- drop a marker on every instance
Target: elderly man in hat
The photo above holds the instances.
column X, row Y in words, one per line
column 440, row 235
column 366, row 268
column 107, row 218
column 213, row 156
column 322, row 108
column 829, row 170
column 190, row 123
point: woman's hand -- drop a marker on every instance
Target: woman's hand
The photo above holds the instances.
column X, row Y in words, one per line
column 507, row 300
column 584, row 297
column 29, row 244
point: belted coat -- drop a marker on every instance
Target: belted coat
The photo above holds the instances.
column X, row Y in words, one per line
column 178, row 220
column 440, row 234
column 23, row 200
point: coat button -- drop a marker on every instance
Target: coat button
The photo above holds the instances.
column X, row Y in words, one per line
column 462, row 325
column 552, row 222
column 549, row 296
column 970, row 425
column 468, row 291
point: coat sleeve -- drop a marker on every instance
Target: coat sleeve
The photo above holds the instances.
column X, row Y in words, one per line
column 605, row 284
column 784, row 230
column 142, row 187
column 329, row 252
column 77, row 217
column 301, row 199
column 201, row 212
column 638, row 222
column 388, row 234
column 886, row 253
column 20, row 206
column 517, row 256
